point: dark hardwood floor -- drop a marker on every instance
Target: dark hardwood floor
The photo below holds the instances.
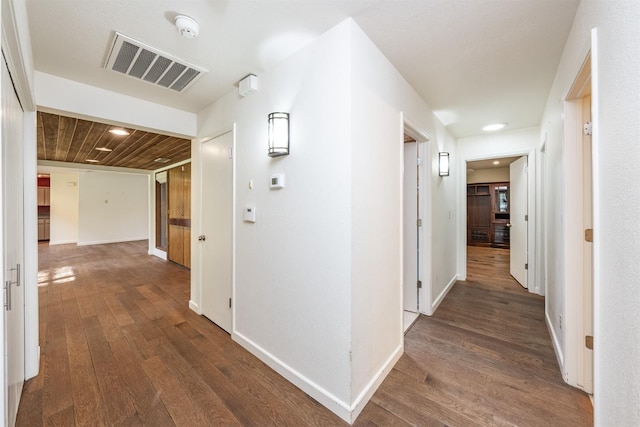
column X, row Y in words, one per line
column 120, row 347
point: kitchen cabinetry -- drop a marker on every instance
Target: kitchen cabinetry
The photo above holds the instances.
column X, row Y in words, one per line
column 179, row 207
column 488, row 214
column 43, row 212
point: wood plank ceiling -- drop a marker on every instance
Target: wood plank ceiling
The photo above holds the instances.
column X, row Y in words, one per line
column 67, row 139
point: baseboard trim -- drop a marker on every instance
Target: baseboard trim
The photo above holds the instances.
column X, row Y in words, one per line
column 443, row 294
column 105, row 242
column 159, row 253
column 195, row 307
column 325, row 398
column 556, row 344
column 62, row 242
column 375, row 382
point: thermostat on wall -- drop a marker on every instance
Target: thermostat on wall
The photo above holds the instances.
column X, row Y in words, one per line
column 277, row 181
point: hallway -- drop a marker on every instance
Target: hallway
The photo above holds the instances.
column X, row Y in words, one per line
column 120, row 347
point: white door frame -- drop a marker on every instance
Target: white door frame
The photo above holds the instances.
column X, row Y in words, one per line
column 578, row 361
column 534, row 285
column 423, row 139
column 196, row 276
column 17, row 54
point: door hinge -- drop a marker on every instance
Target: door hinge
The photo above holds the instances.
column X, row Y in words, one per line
column 588, row 235
column 526, row 266
column 588, row 342
column 588, row 128
column 526, row 217
column 229, row 302
column 419, row 222
column 231, row 153
column 419, row 162
column 419, row 284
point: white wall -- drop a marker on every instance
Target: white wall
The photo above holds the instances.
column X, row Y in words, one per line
column 112, row 207
column 70, row 97
column 64, row 208
column 616, row 104
column 488, row 175
column 318, row 276
column 292, row 292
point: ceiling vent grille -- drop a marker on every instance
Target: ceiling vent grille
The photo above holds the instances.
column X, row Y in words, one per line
column 135, row 59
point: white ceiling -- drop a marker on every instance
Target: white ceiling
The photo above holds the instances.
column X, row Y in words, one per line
column 473, row 61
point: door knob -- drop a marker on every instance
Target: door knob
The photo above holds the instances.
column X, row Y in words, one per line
column 509, row 224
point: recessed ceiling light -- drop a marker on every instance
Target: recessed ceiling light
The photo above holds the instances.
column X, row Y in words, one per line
column 494, row 126
column 162, row 160
column 92, row 161
column 496, row 162
column 104, row 149
column 120, row 132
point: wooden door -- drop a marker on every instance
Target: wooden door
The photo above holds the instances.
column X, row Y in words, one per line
column 179, row 189
column 217, row 229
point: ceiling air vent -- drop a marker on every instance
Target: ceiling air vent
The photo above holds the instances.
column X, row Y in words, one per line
column 136, row 59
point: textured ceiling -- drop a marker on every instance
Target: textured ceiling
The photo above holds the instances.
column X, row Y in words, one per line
column 472, row 61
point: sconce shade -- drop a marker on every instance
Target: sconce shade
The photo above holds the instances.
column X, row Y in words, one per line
column 278, row 134
column 443, row 169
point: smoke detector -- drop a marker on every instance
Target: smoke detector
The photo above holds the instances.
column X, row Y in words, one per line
column 187, row 27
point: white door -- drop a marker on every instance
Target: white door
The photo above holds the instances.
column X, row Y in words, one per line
column 410, row 227
column 217, row 229
column 518, row 219
column 12, row 242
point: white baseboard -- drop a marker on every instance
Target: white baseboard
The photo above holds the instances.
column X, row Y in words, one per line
column 348, row 412
column 159, row 253
column 443, row 294
column 556, row 344
column 104, row 242
column 195, row 307
column 61, row 242
column 324, row 397
column 363, row 398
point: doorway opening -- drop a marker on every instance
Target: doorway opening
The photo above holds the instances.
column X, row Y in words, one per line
column 493, row 208
column 415, row 219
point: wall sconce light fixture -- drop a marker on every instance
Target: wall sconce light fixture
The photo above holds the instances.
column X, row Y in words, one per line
column 443, row 169
column 278, row 134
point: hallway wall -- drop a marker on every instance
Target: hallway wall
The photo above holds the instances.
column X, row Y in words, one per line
column 616, row 196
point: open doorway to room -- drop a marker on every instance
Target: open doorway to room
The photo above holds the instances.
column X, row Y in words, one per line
column 493, row 209
column 415, row 218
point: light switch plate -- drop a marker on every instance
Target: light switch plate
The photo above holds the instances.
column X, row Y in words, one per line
column 249, row 214
column 277, row 181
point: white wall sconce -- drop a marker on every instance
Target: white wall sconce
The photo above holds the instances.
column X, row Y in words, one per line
column 443, row 169
column 278, row 134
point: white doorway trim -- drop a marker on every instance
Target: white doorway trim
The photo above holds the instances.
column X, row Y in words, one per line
column 533, row 283
column 423, row 139
column 580, row 256
column 17, row 53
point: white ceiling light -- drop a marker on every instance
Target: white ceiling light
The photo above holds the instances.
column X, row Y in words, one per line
column 494, row 126
column 105, row 149
column 120, row 132
column 187, row 27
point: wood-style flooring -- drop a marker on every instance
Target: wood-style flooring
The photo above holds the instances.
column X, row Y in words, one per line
column 121, row 348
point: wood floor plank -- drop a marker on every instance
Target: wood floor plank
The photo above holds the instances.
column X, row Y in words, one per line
column 121, row 347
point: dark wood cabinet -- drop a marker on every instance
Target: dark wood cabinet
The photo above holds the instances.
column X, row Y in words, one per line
column 488, row 214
